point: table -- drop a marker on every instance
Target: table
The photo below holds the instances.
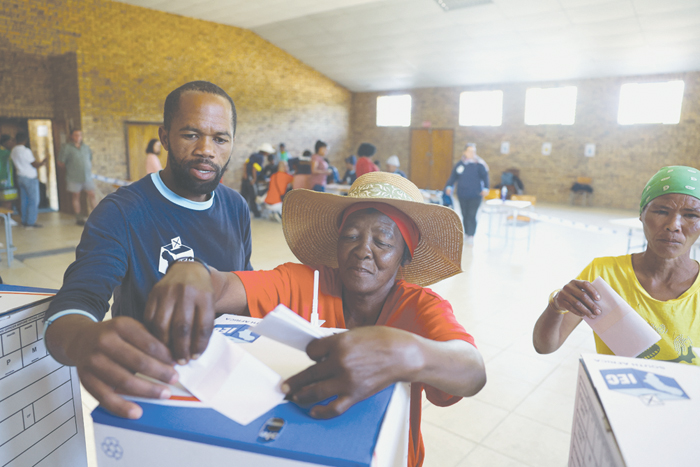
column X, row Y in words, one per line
column 498, row 206
column 337, row 189
column 633, row 224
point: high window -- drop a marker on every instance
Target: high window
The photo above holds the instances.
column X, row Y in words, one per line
column 481, row 108
column 550, row 106
column 650, row 103
column 394, row 110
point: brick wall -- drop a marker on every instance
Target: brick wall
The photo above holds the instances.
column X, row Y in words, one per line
column 129, row 58
column 626, row 156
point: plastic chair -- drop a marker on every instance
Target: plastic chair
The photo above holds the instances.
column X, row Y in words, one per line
column 493, row 194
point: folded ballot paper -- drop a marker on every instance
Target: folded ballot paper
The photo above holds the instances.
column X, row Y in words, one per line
column 233, row 382
column 619, row 326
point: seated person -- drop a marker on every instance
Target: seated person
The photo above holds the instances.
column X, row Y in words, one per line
column 349, row 177
column 661, row 283
column 270, row 167
column 280, row 183
column 376, row 250
column 511, row 180
column 364, row 163
column 392, row 166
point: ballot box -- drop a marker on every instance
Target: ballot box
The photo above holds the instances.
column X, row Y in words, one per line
column 635, row 413
column 41, row 419
column 183, row 432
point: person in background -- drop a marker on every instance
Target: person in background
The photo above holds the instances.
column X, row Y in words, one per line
column 27, row 179
column 270, row 167
column 392, row 166
column 284, row 155
column 8, row 191
column 280, row 183
column 472, row 177
column 131, row 239
column 319, row 167
column 76, row 157
column 253, row 168
column 661, row 283
column 334, row 176
column 349, row 177
column 152, row 156
column 364, row 163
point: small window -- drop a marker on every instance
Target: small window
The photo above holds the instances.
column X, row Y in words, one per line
column 394, row 110
column 550, row 106
column 481, row 108
column 650, row 103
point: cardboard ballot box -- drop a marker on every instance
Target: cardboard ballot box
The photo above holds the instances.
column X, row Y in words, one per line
column 180, row 432
column 635, row 413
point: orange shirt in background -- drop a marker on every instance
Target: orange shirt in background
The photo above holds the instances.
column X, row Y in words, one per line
column 409, row 307
column 365, row 165
column 278, row 187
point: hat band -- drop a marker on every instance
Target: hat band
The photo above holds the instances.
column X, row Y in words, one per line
column 380, row 190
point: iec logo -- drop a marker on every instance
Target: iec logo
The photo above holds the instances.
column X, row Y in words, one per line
column 652, row 389
column 111, row 448
column 239, row 333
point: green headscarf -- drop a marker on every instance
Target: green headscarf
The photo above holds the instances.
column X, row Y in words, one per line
column 673, row 179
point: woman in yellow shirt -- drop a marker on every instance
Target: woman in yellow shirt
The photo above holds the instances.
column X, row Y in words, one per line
column 661, row 283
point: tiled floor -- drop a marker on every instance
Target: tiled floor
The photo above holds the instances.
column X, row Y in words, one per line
column 523, row 415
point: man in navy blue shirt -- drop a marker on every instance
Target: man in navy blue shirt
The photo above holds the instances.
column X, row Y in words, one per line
column 129, row 242
column 472, row 177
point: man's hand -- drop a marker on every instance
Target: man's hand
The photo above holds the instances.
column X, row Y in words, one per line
column 180, row 310
column 107, row 355
column 353, row 366
column 448, row 191
column 579, row 298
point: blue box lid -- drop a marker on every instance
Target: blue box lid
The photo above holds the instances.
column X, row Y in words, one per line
column 347, row 440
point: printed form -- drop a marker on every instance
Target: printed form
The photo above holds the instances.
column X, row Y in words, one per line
column 41, row 420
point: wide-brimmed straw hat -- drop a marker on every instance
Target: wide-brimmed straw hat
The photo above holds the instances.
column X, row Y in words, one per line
column 310, row 222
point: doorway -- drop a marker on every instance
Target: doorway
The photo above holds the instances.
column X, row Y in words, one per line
column 431, row 157
column 137, row 137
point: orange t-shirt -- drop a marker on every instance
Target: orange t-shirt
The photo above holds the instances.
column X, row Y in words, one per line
column 277, row 187
column 408, row 307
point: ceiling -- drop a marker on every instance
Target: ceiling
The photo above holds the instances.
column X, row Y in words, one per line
column 368, row 45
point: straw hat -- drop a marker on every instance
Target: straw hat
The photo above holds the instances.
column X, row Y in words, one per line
column 310, row 222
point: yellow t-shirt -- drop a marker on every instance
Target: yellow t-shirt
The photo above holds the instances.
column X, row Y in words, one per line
column 677, row 321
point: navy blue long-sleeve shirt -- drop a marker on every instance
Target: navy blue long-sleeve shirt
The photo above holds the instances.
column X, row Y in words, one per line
column 472, row 177
column 136, row 232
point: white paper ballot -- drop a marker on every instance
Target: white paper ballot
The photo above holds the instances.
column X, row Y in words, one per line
column 231, row 381
column 619, row 326
column 287, row 327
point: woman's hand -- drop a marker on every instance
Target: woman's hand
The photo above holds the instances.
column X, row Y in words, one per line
column 353, row 366
column 357, row 364
column 579, row 298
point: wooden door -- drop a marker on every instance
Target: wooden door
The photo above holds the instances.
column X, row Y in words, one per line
column 137, row 137
column 431, row 157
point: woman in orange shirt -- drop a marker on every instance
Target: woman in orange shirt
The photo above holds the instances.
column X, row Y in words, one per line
column 280, row 182
column 376, row 249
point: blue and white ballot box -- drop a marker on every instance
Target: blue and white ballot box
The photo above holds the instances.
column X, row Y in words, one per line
column 41, row 417
column 182, row 432
column 633, row 412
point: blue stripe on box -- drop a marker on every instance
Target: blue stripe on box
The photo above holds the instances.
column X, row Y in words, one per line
column 347, row 440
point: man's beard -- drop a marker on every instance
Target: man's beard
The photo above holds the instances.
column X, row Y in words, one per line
column 181, row 173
